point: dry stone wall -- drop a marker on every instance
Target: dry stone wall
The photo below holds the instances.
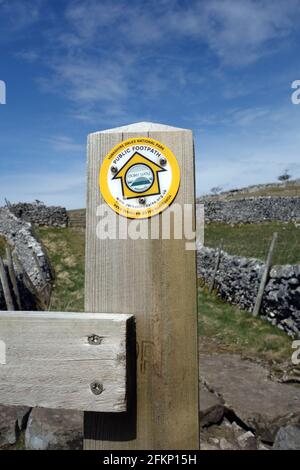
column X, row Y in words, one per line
column 252, row 210
column 20, row 236
column 237, row 281
column 39, row 214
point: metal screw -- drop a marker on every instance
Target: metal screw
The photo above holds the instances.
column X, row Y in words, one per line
column 163, row 161
column 142, row 200
column 114, row 169
column 94, row 340
column 97, row 388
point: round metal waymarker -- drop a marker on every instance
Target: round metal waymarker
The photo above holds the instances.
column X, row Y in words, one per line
column 139, row 178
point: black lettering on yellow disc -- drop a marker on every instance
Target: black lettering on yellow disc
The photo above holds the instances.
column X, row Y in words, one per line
column 139, row 178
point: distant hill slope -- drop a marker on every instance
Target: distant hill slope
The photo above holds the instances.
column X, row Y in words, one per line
column 290, row 188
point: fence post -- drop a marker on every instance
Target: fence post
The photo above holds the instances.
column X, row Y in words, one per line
column 265, row 276
column 155, row 280
column 218, row 259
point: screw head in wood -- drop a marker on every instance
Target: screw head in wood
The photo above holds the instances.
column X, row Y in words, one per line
column 94, row 340
column 97, row 388
column 142, row 200
column 114, row 169
column 163, row 161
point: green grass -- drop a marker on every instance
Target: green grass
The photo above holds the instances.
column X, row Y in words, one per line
column 2, row 246
column 225, row 327
column 253, row 240
column 221, row 325
column 65, row 248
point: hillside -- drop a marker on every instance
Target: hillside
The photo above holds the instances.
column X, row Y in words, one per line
column 290, row 188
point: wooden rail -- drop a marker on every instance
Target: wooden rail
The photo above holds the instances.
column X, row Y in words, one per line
column 64, row 360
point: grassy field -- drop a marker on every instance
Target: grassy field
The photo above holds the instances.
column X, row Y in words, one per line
column 221, row 326
column 224, row 327
column 65, row 247
column 253, row 240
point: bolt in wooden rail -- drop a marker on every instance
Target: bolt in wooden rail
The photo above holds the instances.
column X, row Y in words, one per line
column 50, row 361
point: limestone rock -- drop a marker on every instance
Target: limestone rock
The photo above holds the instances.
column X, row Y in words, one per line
column 211, row 408
column 287, row 438
column 252, row 209
column 237, row 281
column 262, row 404
column 39, row 214
column 54, row 430
column 12, row 420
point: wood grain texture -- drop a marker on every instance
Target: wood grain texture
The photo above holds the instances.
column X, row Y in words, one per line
column 50, row 363
column 156, row 281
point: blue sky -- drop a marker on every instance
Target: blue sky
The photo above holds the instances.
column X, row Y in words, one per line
column 222, row 68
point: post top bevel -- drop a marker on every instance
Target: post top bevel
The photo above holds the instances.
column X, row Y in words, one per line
column 142, row 127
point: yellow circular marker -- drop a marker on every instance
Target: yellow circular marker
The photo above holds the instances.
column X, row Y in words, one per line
column 139, row 178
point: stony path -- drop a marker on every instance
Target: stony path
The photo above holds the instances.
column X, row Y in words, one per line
column 241, row 407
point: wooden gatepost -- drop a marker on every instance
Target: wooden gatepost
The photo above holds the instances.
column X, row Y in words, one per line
column 130, row 362
column 152, row 278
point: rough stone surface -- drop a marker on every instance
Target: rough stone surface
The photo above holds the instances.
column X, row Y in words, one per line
column 54, row 430
column 287, row 438
column 228, row 436
column 39, row 214
column 237, row 281
column 12, row 421
column 211, row 408
column 264, row 406
column 20, row 236
column 252, row 210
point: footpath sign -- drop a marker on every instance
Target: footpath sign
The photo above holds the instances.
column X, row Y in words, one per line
column 131, row 363
column 146, row 176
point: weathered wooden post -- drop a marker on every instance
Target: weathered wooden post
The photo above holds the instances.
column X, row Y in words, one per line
column 143, row 168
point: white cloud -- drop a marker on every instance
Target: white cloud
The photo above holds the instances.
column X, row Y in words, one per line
column 238, row 32
column 19, row 14
column 54, row 188
column 28, row 55
column 254, row 150
column 65, row 144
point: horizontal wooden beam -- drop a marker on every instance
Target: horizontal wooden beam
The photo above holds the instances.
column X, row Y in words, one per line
column 64, row 360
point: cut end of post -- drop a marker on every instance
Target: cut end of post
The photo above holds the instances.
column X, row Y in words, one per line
column 142, row 127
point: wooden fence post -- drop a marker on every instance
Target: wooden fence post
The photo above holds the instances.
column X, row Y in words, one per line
column 218, row 259
column 265, row 275
column 155, row 280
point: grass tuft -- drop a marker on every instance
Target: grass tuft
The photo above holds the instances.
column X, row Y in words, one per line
column 237, row 331
column 66, row 250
